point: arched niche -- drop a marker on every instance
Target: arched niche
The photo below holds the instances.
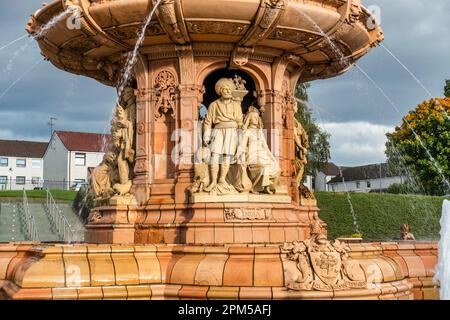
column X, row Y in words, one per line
column 210, row 81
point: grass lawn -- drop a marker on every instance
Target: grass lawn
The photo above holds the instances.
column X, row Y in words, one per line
column 379, row 216
column 65, row 195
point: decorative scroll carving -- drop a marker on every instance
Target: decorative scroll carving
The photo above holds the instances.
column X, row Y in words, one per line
column 319, row 264
column 165, row 85
column 168, row 18
column 355, row 12
column 240, row 56
column 217, row 27
column 248, row 214
column 270, row 12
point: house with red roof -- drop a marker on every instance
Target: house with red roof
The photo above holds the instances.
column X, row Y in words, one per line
column 70, row 155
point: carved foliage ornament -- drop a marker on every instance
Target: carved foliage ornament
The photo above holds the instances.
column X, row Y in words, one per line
column 165, row 85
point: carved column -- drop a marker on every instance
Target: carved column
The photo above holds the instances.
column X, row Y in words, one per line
column 187, row 116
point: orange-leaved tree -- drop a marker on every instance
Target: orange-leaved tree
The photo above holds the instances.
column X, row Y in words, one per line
column 422, row 144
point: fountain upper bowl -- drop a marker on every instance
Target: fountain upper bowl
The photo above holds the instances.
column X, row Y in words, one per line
column 317, row 33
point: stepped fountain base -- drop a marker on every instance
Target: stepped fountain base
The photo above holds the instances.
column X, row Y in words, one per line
column 392, row 270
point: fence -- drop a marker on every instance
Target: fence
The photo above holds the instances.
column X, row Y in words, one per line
column 14, row 184
column 28, row 220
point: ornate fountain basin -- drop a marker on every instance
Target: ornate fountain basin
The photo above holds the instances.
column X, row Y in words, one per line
column 255, row 29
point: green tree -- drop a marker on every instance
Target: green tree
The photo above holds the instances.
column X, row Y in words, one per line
column 404, row 149
column 319, row 141
column 447, row 88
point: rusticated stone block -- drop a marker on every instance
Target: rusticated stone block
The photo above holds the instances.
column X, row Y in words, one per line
column 167, row 261
column 65, row 294
column 260, row 234
column 228, row 293
column 255, row 293
column 90, row 293
column 239, row 267
column 430, row 293
column 276, row 234
column 429, row 263
column 148, row 264
column 44, row 273
column 166, row 292
column 284, row 294
column 223, row 234
column 193, row 292
column 210, row 270
column 268, row 269
column 204, row 234
column 141, row 292
column 76, row 266
column 5, row 259
column 242, row 234
column 184, row 270
column 114, row 293
column 415, row 266
column 33, row 294
column 101, row 266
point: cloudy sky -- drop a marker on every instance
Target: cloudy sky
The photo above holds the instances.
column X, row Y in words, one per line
column 349, row 107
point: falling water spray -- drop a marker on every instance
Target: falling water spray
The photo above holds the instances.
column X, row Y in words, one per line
column 443, row 266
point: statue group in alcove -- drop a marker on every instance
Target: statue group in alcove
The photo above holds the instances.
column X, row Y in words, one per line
column 234, row 156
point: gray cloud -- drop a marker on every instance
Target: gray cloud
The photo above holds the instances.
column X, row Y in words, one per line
column 415, row 30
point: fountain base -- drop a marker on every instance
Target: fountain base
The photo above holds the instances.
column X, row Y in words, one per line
column 80, row 271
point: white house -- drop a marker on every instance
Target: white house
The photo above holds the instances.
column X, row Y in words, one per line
column 369, row 178
column 21, row 164
column 325, row 175
column 69, row 156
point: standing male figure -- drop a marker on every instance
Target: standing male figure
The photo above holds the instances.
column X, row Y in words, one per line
column 220, row 128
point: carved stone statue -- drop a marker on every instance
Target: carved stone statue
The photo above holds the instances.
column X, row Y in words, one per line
column 405, row 234
column 201, row 172
column 102, row 176
column 114, row 175
column 301, row 151
column 254, row 153
column 220, row 128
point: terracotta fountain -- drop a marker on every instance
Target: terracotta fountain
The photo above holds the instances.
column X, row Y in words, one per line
column 170, row 224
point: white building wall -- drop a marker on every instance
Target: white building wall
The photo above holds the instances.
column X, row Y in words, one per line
column 12, row 171
column 375, row 184
column 321, row 182
column 56, row 164
column 78, row 172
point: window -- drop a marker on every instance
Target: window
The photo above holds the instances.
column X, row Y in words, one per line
column 3, row 162
column 36, row 163
column 35, row 180
column 358, row 184
column 22, row 163
column 20, row 180
column 80, row 159
column 3, row 179
column 368, row 184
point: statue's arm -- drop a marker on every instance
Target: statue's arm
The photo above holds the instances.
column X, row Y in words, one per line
column 239, row 116
column 207, row 123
